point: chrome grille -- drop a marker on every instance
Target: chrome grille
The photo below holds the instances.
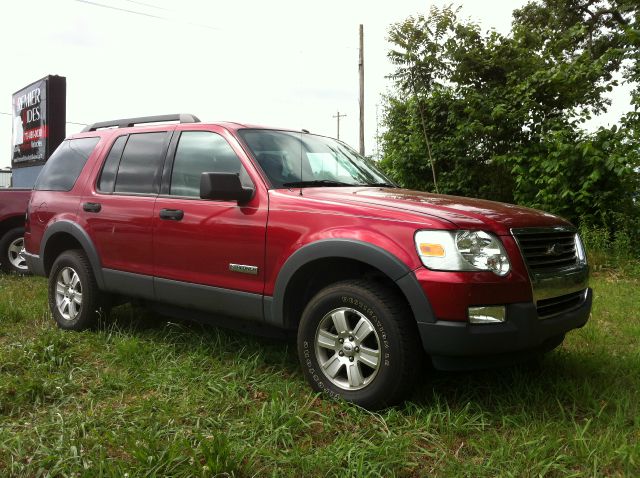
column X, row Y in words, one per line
column 545, row 250
column 557, row 305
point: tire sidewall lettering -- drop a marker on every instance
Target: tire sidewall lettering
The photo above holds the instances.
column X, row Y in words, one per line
column 384, row 311
column 371, row 315
column 310, row 361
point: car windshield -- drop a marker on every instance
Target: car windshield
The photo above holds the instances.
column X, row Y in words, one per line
column 291, row 159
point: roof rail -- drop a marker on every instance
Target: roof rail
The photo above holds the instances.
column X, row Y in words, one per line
column 129, row 122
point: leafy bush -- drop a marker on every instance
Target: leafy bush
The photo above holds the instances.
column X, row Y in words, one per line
column 613, row 245
column 500, row 116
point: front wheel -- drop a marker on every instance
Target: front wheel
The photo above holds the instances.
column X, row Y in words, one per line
column 75, row 301
column 358, row 341
column 12, row 250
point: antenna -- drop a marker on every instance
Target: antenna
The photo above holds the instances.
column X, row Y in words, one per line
column 377, row 135
column 300, row 140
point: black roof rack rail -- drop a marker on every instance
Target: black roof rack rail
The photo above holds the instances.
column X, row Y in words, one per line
column 129, row 122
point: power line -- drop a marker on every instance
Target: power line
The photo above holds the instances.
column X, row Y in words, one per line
column 144, row 14
column 150, row 5
column 121, row 9
column 67, row 122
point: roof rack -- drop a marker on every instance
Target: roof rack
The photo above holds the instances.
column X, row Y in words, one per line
column 129, row 122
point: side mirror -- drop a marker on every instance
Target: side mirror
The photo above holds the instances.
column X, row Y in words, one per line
column 224, row 186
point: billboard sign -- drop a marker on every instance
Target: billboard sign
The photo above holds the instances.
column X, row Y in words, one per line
column 39, row 116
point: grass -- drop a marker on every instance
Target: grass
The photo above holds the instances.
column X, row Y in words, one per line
column 148, row 397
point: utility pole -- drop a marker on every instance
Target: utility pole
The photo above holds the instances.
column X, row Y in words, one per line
column 338, row 116
column 361, row 73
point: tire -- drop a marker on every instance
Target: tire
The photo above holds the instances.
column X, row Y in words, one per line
column 11, row 249
column 75, row 301
column 374, row 362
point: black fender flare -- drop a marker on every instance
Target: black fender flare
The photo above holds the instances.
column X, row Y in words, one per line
column 361, row 251
column 79, row 234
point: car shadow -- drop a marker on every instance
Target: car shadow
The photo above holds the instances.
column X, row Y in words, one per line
column 564, row 382
column 223, row 335
column 566, row 379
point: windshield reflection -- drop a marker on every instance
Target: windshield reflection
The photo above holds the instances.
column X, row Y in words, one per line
column 291, row 159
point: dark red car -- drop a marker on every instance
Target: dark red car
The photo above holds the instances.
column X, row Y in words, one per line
column 298, row 231
column 13, row 206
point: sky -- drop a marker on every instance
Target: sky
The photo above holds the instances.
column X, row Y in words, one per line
column 290, row 64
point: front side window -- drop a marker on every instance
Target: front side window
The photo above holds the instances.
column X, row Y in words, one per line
column 64, row 166
column 291, row 159
column 141, row 164
column 199, row 152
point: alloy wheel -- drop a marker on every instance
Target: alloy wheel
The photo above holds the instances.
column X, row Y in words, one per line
column 68, row 293
column 347, row 348
column 15, row 254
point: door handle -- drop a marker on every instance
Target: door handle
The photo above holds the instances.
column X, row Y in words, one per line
column 171, row 214
column 92, row 206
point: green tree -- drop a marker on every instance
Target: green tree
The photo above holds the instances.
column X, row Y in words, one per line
column 500, row 116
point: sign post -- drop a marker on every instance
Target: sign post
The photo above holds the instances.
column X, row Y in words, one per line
column 39, row 126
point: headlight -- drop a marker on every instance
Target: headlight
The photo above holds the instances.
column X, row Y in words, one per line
column 580, row 251
column 462, row 251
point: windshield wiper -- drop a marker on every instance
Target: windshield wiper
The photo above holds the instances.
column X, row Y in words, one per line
column 316, row 182
column 382, row 185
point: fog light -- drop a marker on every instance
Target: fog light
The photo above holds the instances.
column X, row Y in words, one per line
column 487, row 314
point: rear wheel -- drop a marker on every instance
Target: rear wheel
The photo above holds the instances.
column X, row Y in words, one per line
column 357, row 341
column 12, row 250
column 75, row 301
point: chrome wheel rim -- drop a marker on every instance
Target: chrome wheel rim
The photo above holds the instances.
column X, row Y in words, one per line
column 68, row 293
column 347, row 348
column 15, row 254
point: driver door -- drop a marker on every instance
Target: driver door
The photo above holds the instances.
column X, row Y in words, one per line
column 199, row 244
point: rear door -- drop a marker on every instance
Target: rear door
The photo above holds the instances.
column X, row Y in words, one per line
column 118, row 211
column 58, row 189
column 210, row 254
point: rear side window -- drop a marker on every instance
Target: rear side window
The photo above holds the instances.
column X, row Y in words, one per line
column 110, row 168
column 64, row 166
column 141, row 164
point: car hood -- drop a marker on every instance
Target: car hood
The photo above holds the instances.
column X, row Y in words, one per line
column 463, row 212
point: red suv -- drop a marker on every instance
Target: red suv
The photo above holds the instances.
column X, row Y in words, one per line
column 295, row 230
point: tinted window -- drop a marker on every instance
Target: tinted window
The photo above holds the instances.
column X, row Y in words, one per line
column 199, row 152
column 62, row 169
column 110, row 168
column 141, row 162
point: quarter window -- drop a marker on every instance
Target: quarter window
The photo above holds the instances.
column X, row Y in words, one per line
column 64, row 166
column 199, row 152
column 110, row 168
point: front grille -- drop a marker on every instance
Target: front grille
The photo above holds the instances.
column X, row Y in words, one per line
column 547, row 250
column 557, row 305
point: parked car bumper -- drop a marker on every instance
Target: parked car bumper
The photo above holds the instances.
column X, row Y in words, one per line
column 34, row 263
column 456, row 345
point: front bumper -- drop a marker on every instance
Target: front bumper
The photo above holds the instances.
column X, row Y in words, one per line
column 461, row 345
